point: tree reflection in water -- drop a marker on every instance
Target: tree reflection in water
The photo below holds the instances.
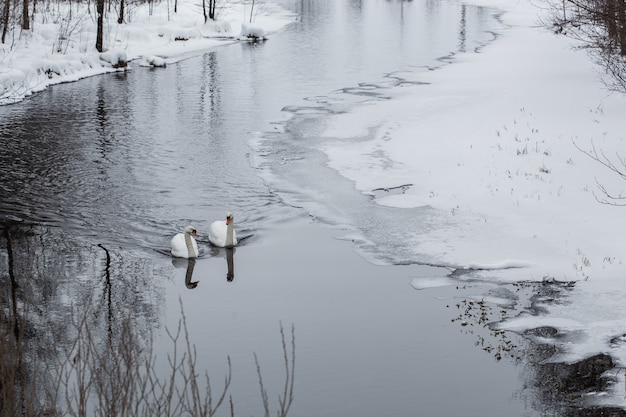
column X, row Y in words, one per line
column 77, row 324
column 553, row 388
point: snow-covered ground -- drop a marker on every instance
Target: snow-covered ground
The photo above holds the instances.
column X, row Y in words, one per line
column 492, row 140
column 61, row 46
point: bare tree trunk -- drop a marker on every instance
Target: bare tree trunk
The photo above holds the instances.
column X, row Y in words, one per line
column 33, row 13
column 25, row 18
column 120, row 19
column 610, row 19
column 212, row 9
column 100, row 13
column 5, row 19
column 621, row 24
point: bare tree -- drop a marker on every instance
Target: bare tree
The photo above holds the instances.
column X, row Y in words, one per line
column 601, row 26
column 100, row 13
column 211, row 12
column 120, row 18
column 25, row 17
column 212, row 9
column 6, row 13
column 617, row 164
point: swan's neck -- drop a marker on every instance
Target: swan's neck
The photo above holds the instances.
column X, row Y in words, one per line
column 229, row 234
column 190, row 251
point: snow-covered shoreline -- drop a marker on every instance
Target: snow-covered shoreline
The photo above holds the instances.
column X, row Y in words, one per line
column 493, row 142
column 60, row 51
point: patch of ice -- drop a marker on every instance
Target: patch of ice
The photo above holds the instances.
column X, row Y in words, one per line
column 505, row 264
column 432, row 282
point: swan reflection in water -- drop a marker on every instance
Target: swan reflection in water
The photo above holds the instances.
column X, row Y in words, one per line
column 230, row 263
column 188, row 282
column 230, row 275
column 191, row 263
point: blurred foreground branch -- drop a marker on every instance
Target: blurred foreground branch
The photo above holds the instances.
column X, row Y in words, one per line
column 117, row 375
column 286, row 399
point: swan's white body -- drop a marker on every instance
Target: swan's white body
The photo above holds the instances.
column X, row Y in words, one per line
column 184, row 245
column 222, row 233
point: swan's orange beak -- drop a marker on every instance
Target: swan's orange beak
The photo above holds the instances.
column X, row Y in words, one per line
column 227, row 221
column 194, row 233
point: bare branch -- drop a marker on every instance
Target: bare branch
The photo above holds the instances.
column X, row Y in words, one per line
column 266, row 404
column 618, row 168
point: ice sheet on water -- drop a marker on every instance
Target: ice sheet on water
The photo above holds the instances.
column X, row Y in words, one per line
column 505, row 264
column 432, row 282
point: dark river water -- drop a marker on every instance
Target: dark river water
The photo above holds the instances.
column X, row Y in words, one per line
column 98, row 175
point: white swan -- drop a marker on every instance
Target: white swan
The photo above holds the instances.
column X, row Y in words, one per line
column 184, row 245
column 222, row 233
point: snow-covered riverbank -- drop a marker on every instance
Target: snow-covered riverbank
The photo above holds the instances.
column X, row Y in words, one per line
column 60, row 49
column 494, row 142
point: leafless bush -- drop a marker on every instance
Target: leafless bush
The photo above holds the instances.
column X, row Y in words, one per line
column 601, row 27
column 118, row 377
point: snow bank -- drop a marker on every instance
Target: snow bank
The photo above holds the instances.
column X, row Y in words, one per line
column 490, row 141
column 493, row 143
column 60, row 51
column 253, row 32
